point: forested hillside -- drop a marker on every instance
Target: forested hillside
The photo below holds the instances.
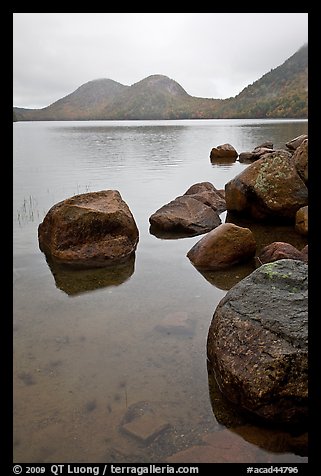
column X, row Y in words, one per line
column 280, row 93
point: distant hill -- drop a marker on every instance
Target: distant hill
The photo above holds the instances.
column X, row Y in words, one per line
column 87, row 102
column 283, row 92
column 155, row 97
column 158, row 97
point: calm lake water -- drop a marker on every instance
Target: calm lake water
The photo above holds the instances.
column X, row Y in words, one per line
column 92, row 350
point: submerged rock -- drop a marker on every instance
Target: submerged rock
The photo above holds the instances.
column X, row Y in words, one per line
column 143, row 422
column 177, row 323
column 146, row 428
column 89, row 230
column 257, row 342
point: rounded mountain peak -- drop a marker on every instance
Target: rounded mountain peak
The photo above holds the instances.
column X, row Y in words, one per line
column 163, row 83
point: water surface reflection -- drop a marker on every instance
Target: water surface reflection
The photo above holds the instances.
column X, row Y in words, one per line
column 75, row 281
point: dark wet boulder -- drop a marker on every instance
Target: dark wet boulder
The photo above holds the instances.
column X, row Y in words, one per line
column 257, row 342
column 268, row 189
column 226, row 245
column 93, row 229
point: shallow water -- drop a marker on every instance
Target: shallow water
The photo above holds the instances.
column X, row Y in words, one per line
column 92, row 349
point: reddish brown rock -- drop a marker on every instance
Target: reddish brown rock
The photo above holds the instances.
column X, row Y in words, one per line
column 300, row 159
column 206, row 193
column 270, row 188
column 259, row 151
column 279, row 250
column 268, row 145
column 186, row 215
column 224, row 151
column 305, row 253
column 247, row 157
column 200, row 187
column 221, row 191
column 293, row 144
column 256, row 154
column 226, row 245
column 302, row 221
column 89, row 230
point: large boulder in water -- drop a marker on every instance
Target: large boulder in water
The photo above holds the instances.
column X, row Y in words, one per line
column 89, row 230
column 270, row 188
column 257, row 343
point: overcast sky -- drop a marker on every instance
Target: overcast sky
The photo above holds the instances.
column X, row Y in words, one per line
column 209, row 54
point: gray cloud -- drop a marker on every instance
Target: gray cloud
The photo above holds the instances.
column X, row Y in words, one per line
column 209, row 54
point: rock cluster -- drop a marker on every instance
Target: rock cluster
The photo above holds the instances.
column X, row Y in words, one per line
column 257, row 341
